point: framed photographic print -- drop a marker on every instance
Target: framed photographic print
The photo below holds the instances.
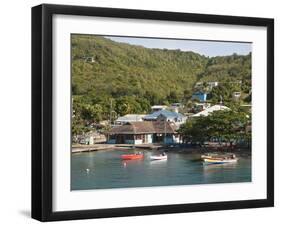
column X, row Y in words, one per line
column 146, row 112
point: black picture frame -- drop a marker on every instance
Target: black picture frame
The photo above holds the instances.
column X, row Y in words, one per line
column 42, row 107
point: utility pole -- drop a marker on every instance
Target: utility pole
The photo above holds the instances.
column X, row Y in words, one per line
column 113, row 115
column 164, row 131
column 110, row 112
column 221, row 100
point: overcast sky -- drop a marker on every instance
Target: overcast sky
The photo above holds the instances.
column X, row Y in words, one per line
column 207, row 48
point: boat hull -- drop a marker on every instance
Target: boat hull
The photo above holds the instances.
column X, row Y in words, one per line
column 219, row 161
column 158, row 157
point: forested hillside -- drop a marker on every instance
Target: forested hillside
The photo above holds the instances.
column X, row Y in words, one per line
column 122, row 69
column 132, row 78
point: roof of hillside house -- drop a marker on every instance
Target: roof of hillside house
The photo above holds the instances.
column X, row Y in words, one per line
column 209, row 110
column 144, row 127
column 165, row 113
column 158, row 106
column 130, row 118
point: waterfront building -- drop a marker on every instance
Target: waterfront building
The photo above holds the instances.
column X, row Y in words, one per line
column 145, row 132
column 89, row 138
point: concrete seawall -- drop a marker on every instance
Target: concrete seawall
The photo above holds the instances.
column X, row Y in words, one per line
column 88, row 148
column 98, row 147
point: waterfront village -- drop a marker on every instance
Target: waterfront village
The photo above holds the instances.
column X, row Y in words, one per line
column 159, row 128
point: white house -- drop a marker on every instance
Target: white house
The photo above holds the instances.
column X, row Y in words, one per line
column 175, row 107
column 155, row 108
column 210, row 85
column 129, row 118
column 236, row 95
column 209, row 110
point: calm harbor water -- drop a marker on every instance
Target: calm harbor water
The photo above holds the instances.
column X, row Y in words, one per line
column 105, row 169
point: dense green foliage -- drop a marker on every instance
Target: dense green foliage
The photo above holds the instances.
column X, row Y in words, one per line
column 227, row 126
column 234, row 75
column 110, row 77
column 126, row 70
column 228, row 69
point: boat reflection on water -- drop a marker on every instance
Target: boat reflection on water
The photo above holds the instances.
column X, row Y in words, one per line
column 216, row 168
column 132, row 162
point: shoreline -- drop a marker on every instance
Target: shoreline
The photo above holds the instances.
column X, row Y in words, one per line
column 155, row 147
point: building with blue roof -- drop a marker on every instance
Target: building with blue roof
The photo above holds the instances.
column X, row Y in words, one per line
column 166, row 115
column 200, row 96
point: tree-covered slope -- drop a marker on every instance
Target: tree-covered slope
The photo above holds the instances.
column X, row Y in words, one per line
column 111, row 76
column 121, row 69
column 226, row 69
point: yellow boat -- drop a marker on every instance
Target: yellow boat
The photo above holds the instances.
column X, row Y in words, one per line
column 214, row 158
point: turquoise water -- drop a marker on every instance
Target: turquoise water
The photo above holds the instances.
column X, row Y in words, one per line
column 105, row 169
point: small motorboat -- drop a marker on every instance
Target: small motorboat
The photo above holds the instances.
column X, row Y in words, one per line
column 159, row 157
column 219, row 158
column 132, row 156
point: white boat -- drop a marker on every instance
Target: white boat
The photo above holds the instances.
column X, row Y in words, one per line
column 159, row 157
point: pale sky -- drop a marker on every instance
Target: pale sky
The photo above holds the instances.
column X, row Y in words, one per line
column 207, row 48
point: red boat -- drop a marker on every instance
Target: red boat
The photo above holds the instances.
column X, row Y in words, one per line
column 132, row 156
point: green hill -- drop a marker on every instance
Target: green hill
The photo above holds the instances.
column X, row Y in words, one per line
column 132, row 78
column 122, row 69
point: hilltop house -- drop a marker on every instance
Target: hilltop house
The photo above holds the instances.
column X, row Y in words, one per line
column 210, row 85
column 165, row 115
column 201, row 106
column 209, row 110
column 201, row 96
column 155, row 108
column 236, row 95
column 175, row 107
column 146, row 132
